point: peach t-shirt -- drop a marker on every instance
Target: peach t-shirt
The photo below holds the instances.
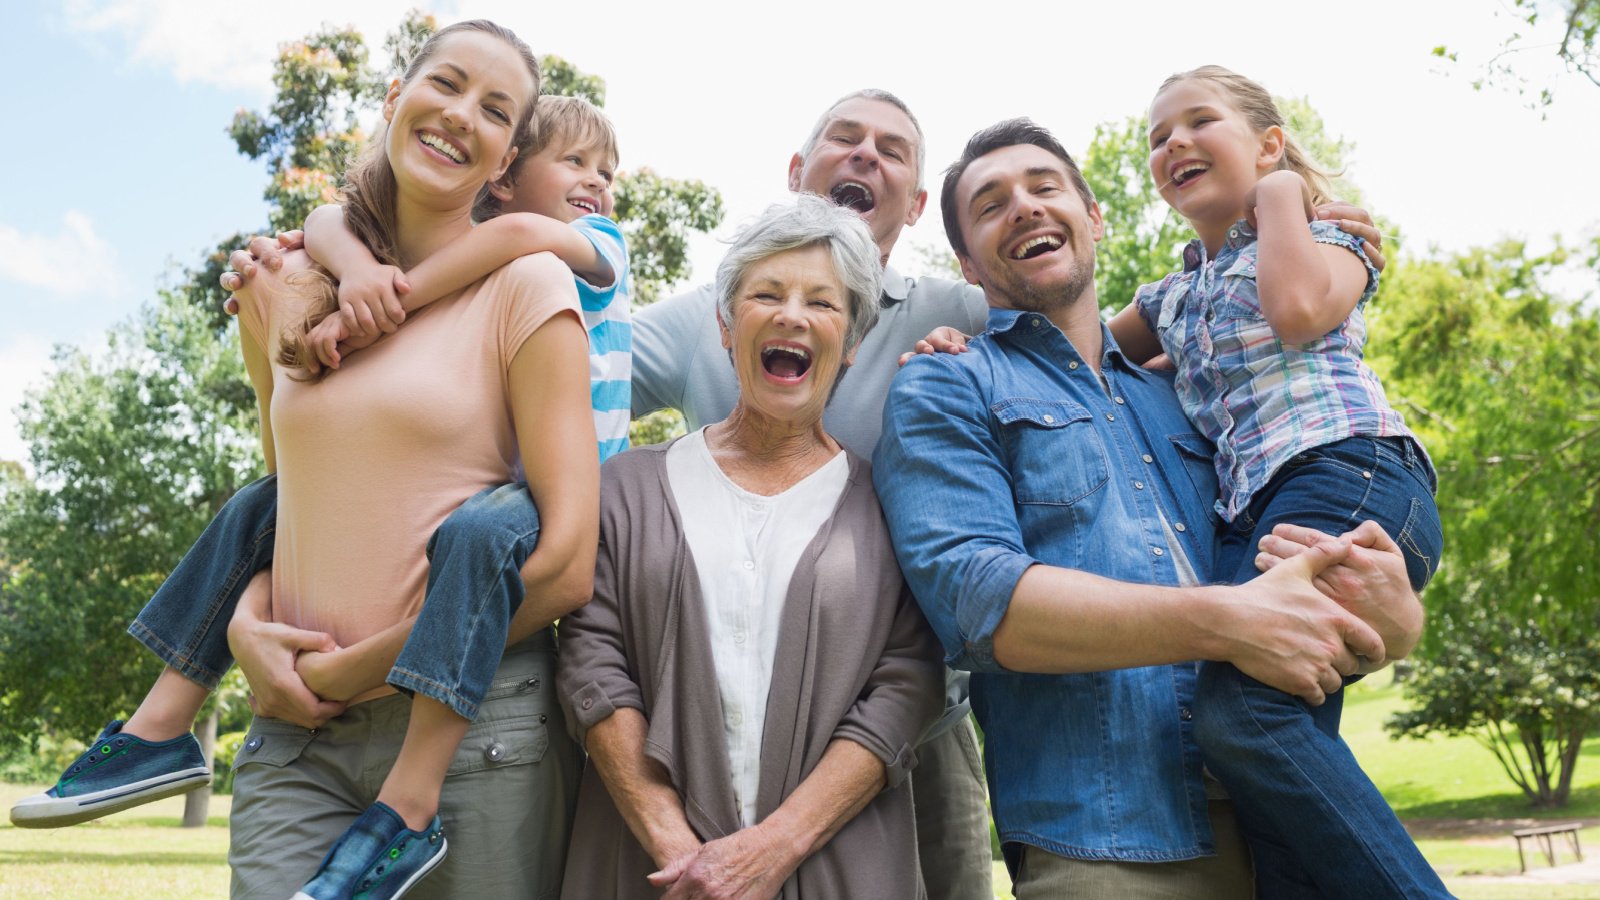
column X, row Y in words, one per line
column 374, row 457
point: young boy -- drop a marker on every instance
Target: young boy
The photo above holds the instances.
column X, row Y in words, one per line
column 561, row 182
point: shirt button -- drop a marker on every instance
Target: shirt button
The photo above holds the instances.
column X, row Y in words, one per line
column 1366, row 475
column 1148, row 458
column 1138, row 485
column 1180, row 527
column 1184, row 713
column 253, row 744
column 495, row 752
column 749, row 564
column 736, row 719
column 1072, row 365
column 1119, row 401
column 738, row 637
column 1158, row 551
column 1048, row 420
column 1035, row 323
column 1110, row 417
column 588, row 703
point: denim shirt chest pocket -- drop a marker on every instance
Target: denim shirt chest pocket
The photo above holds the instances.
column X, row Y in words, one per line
column 1055, row 456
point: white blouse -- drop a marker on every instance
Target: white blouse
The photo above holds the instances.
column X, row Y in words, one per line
column 745, row 548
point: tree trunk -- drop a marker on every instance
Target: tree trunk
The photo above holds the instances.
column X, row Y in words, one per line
column 197, row 803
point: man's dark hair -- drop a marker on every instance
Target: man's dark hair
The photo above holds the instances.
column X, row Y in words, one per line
column 999, row 136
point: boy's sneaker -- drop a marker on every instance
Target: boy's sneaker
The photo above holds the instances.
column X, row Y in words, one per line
column 377, row 857
column 117, row 772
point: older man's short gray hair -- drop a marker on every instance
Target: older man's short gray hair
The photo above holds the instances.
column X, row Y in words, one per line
column 809, row 221
column 881, row 96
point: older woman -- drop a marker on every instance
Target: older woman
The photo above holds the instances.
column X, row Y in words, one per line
column 752, row 556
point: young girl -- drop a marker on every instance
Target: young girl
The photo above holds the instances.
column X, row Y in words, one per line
column 1266, row 329
column 457, row 119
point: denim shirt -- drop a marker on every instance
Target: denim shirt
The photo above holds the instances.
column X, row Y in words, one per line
column 1013, row 454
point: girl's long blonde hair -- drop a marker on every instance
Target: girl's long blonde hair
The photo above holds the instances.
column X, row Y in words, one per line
column 1259, row 109
column 368, row 197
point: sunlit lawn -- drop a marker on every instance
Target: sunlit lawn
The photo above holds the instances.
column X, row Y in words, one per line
column 138, row 853
column 143, row 853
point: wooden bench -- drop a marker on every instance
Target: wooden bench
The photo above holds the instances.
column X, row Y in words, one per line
column 1543, row 838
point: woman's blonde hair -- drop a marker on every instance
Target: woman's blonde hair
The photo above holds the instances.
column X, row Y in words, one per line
column 1259, row 109
column 368, row 197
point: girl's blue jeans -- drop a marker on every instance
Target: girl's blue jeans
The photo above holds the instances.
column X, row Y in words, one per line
column 1316, row 824
column 474, row 587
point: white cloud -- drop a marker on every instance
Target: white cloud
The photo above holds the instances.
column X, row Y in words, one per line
column 72, row 262
column 24, row 362
column 222, row 44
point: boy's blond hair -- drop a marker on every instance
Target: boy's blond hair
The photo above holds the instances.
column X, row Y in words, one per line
column 559, row 121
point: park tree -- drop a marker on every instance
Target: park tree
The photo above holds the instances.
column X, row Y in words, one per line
column 1533, row 22
column 133, row 450
column 1502, row 379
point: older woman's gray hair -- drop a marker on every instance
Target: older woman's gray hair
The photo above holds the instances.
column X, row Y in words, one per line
column 808, row 221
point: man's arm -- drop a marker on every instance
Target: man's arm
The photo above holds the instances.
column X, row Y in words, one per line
column 996, row 608
column 665, row 336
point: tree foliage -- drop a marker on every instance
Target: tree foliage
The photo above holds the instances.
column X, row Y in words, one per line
column 133, row 450
column 1528, row 699
column 1579, row 24
column 1502, row 378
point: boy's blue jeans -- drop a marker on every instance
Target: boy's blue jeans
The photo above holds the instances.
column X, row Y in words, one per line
column 1316, row 824
column 474, row 587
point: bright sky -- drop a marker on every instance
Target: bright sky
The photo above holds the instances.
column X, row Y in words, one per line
column 119, row 171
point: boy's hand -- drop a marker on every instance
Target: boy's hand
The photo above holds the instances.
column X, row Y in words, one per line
column 1277, row 184
column 369, row 300
column 943, row 339
column 324, row 341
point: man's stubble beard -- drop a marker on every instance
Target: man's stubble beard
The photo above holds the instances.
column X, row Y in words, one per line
column 1024, row 296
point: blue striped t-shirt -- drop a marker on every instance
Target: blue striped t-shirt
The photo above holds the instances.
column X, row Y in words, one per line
column 610, row 326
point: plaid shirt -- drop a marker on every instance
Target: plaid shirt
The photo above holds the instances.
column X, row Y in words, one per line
column 1259, row 400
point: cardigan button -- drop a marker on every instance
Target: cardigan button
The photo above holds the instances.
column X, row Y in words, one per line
column 588, row 703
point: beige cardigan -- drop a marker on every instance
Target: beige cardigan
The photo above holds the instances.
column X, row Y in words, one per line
column 855, row 660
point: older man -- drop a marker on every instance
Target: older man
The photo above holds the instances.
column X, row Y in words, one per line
column 1050, row 506
column 865, row 152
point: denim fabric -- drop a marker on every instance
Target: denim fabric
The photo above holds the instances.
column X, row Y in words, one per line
column 1013, row 454
column 474, row 586
column 186, row 622
column 1315, row 823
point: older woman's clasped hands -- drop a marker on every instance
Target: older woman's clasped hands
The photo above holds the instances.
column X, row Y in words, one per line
column 752, row 556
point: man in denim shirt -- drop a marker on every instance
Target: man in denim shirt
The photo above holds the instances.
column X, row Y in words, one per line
column 1052, row 509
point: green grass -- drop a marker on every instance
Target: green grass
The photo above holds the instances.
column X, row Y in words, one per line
column 140, row 852
column 1451, row 778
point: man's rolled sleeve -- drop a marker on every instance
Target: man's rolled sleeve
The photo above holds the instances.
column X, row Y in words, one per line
column 946, row 492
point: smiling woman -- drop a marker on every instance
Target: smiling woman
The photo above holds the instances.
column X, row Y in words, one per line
column 752, row 554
